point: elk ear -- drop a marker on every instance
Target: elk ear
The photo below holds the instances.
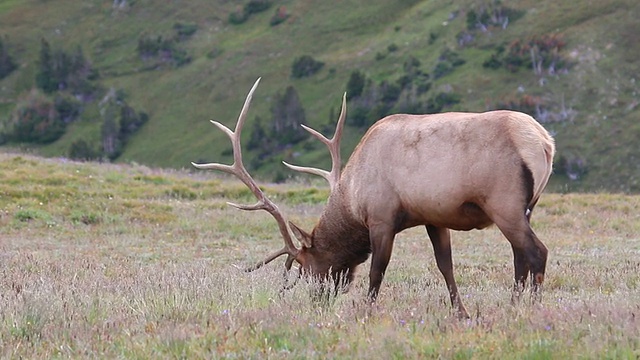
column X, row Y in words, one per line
column 304, row 237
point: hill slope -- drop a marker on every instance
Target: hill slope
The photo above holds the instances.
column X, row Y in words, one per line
column 588, row 98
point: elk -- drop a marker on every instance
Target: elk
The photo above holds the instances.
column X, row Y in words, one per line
column 449, row 171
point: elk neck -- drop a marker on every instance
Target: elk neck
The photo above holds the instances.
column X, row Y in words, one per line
column 339, row 237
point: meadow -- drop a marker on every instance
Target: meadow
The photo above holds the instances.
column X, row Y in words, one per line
column 126, row 261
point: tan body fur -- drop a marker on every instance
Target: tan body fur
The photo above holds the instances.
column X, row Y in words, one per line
column 430, row 166
column 457, row 171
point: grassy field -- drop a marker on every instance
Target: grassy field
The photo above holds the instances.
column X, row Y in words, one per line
column 124, row 261
column 599, row 87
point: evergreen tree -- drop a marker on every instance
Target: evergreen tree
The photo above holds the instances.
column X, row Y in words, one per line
column 7, row 65
column 287, row 115
column 356, row 83
column 45, row 76
column 111, row 144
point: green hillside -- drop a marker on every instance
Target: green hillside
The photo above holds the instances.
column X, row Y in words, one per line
column 472, row 55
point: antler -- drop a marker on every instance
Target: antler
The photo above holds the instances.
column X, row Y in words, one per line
column 334, row 148
column 237, row 169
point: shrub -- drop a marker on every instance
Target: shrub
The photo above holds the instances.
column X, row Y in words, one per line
column 163, row 49
column 390, row 92
column 537, row 52
column 238, row 16
column 184, row 31
column 305, row 66
column 493, row 62
column 442, row 69
column 214, row 53
column 68, row 108
column 442, row 100
column 447, row 62
column 80, row 150
column 36, row 120
column 256, row 6
column 241, row 15
column 280, row 16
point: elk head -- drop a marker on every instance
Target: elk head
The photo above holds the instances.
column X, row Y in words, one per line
column 310, row 264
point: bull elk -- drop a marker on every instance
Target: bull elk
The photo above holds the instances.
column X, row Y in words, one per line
column 457, row 171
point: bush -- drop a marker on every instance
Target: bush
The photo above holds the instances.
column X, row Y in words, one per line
column 442, row 69
column 149, row 46
column 80, row 150
column 68, row 108
column 164, row 49
column 390, row 92
column 184, row 31
column 36, row 120
column 493, row 62
column 256, row 6
column 442, row 100
column 305, row 66
column 238, row 17
column 241, row 15
column 280, row 16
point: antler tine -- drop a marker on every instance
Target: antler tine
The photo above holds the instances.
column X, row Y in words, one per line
column 333, row 145
column 238, row 170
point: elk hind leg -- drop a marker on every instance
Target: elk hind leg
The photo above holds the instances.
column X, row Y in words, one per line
column 441, row 240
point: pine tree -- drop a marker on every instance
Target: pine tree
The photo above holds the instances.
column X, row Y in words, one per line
column 7, row 65
column 287, row 115
column 45, row 75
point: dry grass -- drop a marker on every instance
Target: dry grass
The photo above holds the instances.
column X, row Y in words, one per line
column 130, row 262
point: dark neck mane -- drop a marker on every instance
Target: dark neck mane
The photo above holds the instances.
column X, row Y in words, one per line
column 341, row 239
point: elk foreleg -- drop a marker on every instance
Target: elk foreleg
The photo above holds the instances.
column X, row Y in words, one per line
column 521, row 269
column 381, row 237
column 441, row 240
column 530, row 254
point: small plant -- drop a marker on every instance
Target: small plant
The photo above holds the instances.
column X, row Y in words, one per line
column 26, row 215
column 181, row 193
column 87, row 218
